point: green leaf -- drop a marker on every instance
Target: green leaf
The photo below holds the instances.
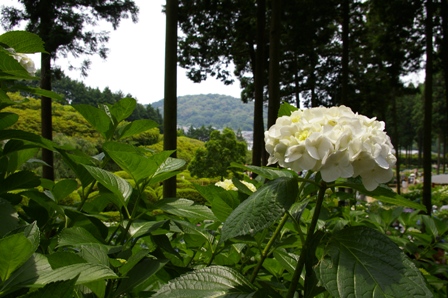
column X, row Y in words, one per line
column 94, row 253
column 139, row 273
column 87, row 273
column 23, row 42
column 286, row 109
column 136, row 127
column 223, row 202
column 97, row 118
column 362, row 262
column 63, row 188
column 59, row 289
column 266, row 172
column 185, row 208
column 146, row 229
column 9, row 218
column 11, row 68
column 7, row 119
column 262, row 209
column 287, row 260
column 15, row 250
column 131, row 160
column 19, row 180
column 41, row 92
column 112, row 182
column 25, row 136
column 385, row 195
column 76, row 236
column 123, row 108
column 213, row 281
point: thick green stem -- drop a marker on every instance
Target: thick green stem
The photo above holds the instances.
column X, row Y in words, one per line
column 307, row 244
column 268, row 246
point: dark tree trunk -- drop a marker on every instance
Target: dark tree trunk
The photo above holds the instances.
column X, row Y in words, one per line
column 258, row 137
column 170, row 101
column 444, row 14
column 345, row 52
column 46, row 116
column 428, row 110
column 274, row 60
column 396, row 143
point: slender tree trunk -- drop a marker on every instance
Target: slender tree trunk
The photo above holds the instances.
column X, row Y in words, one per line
column 428, row 110
column 396, row 142
column 274, row 63
column 258, row 138
column 444, row 15
column 345, row 51
column 170, row 101
column 46, row 116
column 296, row 81
column 439, row 149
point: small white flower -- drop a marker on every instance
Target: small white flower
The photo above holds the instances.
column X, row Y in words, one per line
column 227, row 184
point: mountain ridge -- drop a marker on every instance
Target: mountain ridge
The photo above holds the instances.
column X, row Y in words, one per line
column 216, row 110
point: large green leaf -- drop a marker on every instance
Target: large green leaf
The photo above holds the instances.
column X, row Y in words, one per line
column 185, row 208
column 266, row 172
column 136, row 127
column 112, row 182
column 139, row 273
column 384, row 194
column 223, row 202
column 262, row 209
column 362, row 262
column 19, row 180
column 123, row 108
column 286, row 109
column 9, row 218
column 7, row 119
column 63, row 188
column 131, row 160
column 26, row 136
column 11, row 67
column 97, row 118
column 41, row 92
column 76, row 236
column 87, row 273
column 59, row 289
column 214, row 281
column 15, row 250
column 23, row 41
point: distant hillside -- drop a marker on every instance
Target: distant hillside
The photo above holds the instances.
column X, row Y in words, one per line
column 216, row 110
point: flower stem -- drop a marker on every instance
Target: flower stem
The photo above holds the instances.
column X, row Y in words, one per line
column 307, row 244
column 268, row 246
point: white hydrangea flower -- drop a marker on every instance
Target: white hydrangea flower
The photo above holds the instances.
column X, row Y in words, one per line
column 334, row 141
column 24, row 60
column 227, row 184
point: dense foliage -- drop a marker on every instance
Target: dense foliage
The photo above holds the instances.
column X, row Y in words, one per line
column 220, row 151
column 279, row 235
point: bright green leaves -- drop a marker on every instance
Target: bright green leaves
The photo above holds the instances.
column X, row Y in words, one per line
column 186, row 209
column 362, row 262
column 107, row 118
column 23, row 42
column 214, row 281
column 15, row 250
column 262, row 209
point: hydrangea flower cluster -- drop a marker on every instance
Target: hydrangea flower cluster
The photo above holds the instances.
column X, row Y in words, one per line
column 334, row 141
column 227, row 184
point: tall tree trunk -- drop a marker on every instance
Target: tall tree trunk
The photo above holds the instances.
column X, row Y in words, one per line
column 439, row 151
column 170, row 101
column 428, row 110
column 46, row 116
column 274, row 60
column 345, row 52
column 258, row 138
column 444, row 15
column 396, row 143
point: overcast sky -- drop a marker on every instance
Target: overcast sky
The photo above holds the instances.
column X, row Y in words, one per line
column 135, row 63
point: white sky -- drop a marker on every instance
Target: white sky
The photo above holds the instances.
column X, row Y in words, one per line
column 135, row 63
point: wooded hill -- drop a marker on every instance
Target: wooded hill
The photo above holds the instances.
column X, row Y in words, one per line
column 216, row 110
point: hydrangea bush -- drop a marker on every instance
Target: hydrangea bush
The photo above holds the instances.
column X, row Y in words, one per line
column 333, row 141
